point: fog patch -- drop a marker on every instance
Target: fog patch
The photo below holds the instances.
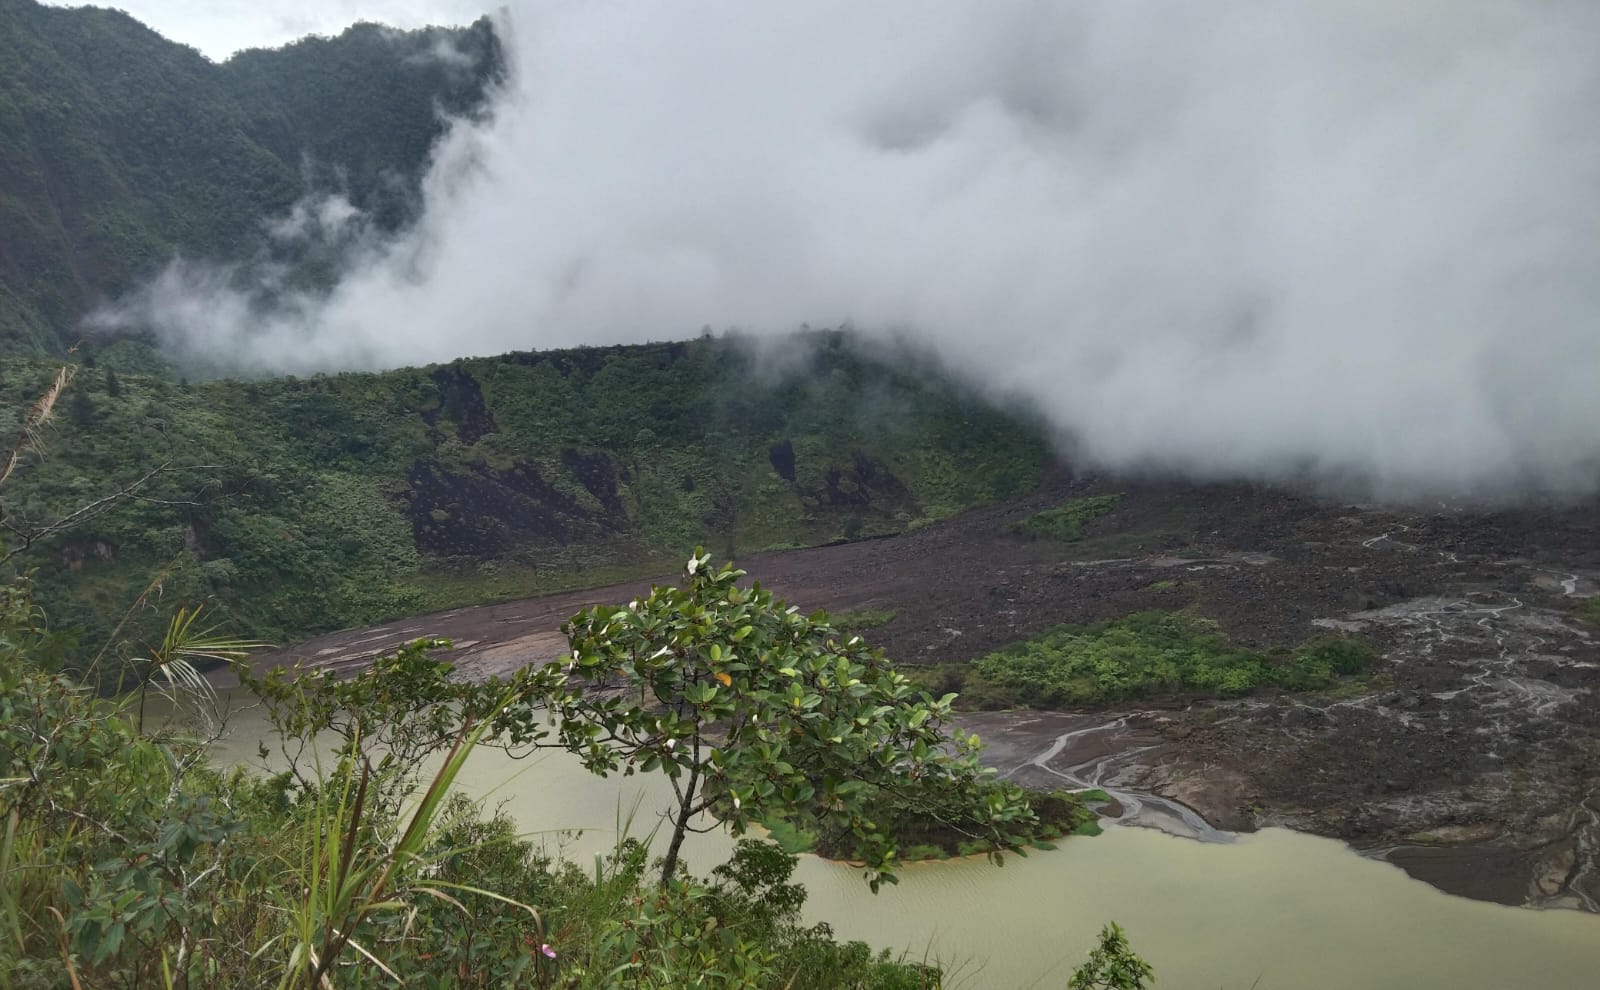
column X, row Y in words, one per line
column 1350, row 241
column 320, row 218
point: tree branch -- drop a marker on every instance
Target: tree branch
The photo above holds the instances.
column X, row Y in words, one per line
column 31, row 536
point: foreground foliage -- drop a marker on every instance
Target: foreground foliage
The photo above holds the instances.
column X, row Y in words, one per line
column 1112, row 965
column 128, row 860
column 759, row 714
column 755, row 713
column 948, row 830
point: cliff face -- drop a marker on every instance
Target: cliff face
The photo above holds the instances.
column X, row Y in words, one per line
column 119, row 148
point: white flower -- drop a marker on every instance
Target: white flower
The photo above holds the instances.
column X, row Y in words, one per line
column 694, row 564
column 736, row 802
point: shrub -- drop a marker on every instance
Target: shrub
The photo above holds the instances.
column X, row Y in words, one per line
column 1588, row 611
column 863, row 619
column 1144, row 654
column 1066, row 522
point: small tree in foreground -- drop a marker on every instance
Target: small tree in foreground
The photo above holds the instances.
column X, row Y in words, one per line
column 758, row 714
column 1113, row 965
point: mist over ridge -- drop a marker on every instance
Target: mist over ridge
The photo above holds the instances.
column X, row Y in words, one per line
column 1343, row 240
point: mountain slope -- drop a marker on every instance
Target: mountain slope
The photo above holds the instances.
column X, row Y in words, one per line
column 301, row 505
column 118, row 147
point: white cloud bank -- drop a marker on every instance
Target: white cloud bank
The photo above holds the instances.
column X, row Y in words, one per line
column 1349, row 239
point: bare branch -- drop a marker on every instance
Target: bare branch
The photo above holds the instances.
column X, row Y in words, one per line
column 85, row 512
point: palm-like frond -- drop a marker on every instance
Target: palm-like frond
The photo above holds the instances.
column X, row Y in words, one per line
column 37, row 415
column 185, row 642
column 186, row 639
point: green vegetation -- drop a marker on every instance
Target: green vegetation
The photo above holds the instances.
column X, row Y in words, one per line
column 296, row 506
column 1112, row 965
column 119, row 148
column 1588, row 611
column 126, row 859
column 1090, row 800
column 948, row 830
column 1147, row 653
column 1066, row 522
column 1171, row 530
column 862, row 619
column 761, row 715
column 943, row 833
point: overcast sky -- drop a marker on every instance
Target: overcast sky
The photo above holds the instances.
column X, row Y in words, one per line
column 1328, row 238
column 221, row 27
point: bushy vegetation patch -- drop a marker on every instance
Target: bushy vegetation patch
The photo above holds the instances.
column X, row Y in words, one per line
column 862, row 619
column 1066, row 522
column 1588, row 611
column 1144, row 654
column 924, row 830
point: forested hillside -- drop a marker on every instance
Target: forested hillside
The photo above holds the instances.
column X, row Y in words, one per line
column 119, row 148
column 300, row 505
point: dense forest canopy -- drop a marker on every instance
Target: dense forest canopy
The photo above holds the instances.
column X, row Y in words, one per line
column 120, row 149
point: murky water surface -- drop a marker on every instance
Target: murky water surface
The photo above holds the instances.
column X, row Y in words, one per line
column 1276, row 910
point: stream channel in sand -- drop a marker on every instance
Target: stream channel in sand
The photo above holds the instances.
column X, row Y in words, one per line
column 1276, row 910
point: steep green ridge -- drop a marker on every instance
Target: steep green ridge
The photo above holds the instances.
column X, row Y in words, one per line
column 302, row 505
column 118, row 147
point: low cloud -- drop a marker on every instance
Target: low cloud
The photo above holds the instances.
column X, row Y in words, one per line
column 320, row 219
column 1350, row 241
column 445, row 52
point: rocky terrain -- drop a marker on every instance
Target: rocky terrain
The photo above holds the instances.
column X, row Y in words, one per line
column 1470, row 756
